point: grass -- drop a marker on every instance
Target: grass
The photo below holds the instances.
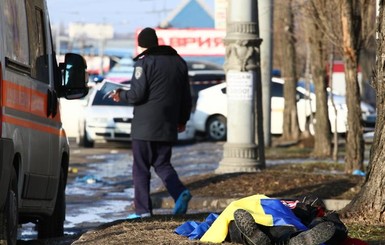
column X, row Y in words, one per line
column 373, row 234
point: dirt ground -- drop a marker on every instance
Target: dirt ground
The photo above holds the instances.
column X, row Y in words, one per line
column 280, row 181
column 283, row 181
column 325, row 180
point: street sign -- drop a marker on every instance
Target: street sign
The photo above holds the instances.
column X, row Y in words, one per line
column 192, row 42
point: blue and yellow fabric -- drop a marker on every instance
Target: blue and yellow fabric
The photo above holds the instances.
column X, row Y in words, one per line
column 266, row 211
column 195, row 230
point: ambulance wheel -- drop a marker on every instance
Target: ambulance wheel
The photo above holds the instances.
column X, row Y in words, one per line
column 9, row 217
column 53, row 226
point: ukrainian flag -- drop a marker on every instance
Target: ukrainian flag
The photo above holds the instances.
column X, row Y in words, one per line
column 266, row 211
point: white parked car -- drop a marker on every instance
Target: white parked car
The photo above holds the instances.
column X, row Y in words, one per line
column 211, row 110
column 103, row 119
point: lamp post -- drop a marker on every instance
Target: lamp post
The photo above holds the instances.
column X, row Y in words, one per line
column 265, row 13
column 243, row 77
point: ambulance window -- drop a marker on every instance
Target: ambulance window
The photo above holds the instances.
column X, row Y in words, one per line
column 16, row 35
column 37, row 40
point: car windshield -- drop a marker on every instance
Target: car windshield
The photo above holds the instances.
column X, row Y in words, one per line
column 307, row 86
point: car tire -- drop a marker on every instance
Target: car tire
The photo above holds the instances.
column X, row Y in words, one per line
column 87, row 143
column 9, row 217
column 216, row 128
column 53, row 226
column 310, row 124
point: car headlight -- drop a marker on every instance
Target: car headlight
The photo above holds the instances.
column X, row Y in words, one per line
column 367, row 108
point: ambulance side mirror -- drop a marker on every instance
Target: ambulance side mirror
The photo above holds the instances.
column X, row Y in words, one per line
column 75, row 77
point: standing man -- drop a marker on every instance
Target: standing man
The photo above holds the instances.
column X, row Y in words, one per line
column 160, row 93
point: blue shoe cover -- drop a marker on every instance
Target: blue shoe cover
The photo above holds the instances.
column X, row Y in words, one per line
column 138, row 216
column 358, row 172
column 181, row 203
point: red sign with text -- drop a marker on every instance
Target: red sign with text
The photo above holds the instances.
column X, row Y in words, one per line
column 191, row 42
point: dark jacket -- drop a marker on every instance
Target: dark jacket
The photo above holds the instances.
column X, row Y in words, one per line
column 160, row 93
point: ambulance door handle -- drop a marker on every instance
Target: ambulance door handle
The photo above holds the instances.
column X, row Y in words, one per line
column 51, row 103
column 54, row 103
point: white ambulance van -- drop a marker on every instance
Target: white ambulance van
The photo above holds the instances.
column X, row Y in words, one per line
column 34, row 150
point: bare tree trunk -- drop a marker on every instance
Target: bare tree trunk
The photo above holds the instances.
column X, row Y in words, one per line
column 351, row 19
column 368, row 54
column 368, row 205
column 291, row 129
column 354, row 140
column 322, row 143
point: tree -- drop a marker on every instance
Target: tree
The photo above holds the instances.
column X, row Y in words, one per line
column 351, row 40
column 318, row 54
column 369, row 203
column 368, row 54
column 291, row 129
column 348, row 35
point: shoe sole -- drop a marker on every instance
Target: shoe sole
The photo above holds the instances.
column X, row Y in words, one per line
column 316, row 235
column 247, row 226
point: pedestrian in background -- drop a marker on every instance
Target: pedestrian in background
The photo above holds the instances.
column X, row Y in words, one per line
column 160, row 93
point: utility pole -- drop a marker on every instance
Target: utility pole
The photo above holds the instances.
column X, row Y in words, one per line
column 266, row 17
column 243, row 77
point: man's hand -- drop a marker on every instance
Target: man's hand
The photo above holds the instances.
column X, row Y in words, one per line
column 115, row 95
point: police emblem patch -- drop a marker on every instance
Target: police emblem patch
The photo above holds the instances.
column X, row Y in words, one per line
column 138, row 72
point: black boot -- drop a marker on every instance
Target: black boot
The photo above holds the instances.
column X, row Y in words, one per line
column 315, row 236
column 249, row 229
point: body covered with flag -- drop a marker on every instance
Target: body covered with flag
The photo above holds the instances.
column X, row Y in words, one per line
column 266, row 211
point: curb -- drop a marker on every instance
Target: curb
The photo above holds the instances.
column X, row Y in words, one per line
column 196, row 203
column 219, row 204
column 334, row 204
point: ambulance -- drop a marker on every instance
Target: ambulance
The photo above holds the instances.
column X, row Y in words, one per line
column 34, row 150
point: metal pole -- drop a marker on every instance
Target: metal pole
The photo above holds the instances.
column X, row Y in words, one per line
column 265, row 8
column 102, row 44
column 242, row 66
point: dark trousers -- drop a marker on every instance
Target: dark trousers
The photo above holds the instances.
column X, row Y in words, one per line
column 157, row 155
